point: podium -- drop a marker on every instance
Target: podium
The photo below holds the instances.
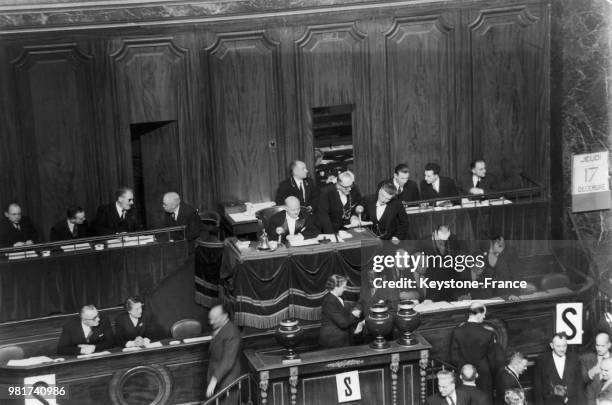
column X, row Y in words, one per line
column 389, row 376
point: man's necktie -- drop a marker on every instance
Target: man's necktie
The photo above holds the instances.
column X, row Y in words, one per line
column 89, row 336
column 122, row 215
column 301, row 188
column 399, row 190
column 17, row 226
column 173, row 216
column 75, row 231
column 478, row 183
column 451, row 400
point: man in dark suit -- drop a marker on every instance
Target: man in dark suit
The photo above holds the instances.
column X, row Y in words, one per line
column 87, row 334
column 407, row 190
column 471, row 343
column 133, row 328
column 73, row 227
column 298, row 185
column 337, row 204
column 224, row 351
column 477, row 182
column 436, row 186
column 440, row 244
column 297, row 223
column 449, row 394
column 558, row 369
column 16, row 229
column 601, row 386
column 177, row 213
column 119, row 216
column 468, row 378
column 387, row 214
column 591, row 365
column 509, row 377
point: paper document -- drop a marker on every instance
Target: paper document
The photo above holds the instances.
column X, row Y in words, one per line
column 30, row 361
column 198, row 339
column 94, row 354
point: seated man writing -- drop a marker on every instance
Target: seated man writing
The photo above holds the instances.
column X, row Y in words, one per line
column 297, row 224
column 87, row 334
column 337, row 204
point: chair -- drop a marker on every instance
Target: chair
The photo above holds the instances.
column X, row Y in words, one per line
column 265, row 214
column 554, row 280
column 186, row 328
column 208, row 258
column 10, row 353
column 211, row 223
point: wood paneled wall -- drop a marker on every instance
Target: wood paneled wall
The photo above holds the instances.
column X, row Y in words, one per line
column 435, row 81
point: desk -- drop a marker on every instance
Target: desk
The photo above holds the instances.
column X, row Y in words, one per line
column 40, row 286
column 386, row 376
column 164, row 375
column 266, row 287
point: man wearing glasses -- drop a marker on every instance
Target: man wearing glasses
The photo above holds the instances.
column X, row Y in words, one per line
column 87, row 334
column 120, row 216
column 337, row 204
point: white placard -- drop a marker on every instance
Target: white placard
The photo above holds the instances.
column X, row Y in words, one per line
column 47, row 380
column 590, row 183
column 348, row 387
column 569, row 320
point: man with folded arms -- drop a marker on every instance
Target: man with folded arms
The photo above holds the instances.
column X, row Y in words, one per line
column 297, row 224
column 16, row 229
column 86, row 334
column 73, row 227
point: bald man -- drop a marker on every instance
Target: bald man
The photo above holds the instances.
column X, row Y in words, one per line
column 591, row 365
column 297, row 223
column 558, row 368
column 178, row 213
column 601, row 386
column 337, row 204
column 16, row 229
column 298, row 185
column 90, row 332
column 468, row 378
column 448, row 393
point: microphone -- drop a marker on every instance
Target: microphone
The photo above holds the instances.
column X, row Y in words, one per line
column 280, row 231
column 359, row 211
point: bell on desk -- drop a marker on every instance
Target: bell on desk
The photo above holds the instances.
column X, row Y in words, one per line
column 263, row 241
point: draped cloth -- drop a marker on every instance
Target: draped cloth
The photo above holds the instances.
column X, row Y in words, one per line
column 266, row 290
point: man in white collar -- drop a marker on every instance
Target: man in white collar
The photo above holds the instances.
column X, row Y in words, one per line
column 337, row 204
column 591, row 364
column 118, row 217
column 605, row 380
column 177, row 213
column 88, row 333
column 407, row 190
column 387, row 214
column 509, row 377
column 298, row 185
column 448, row 393
column 477, row 181
column 297, row 223
column 435, row 186
column 558, row 368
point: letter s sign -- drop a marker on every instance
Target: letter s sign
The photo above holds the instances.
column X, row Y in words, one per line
column 347, row 385
column 569, row 320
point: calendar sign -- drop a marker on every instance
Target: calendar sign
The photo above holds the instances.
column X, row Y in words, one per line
column 590, row 183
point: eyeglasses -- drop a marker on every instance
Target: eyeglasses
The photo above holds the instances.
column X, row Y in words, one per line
column 92, row 319
column 344, row 187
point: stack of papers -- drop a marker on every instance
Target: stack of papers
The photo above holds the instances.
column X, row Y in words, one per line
column 500, row 201
column 305, row 242
column 22, row 255
column 30, row 361
column 78, row 246
column 432, row 306
column 130, row 241
column 153, row 345
column 94, row 354
column 246, row 217
column 198, row 339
